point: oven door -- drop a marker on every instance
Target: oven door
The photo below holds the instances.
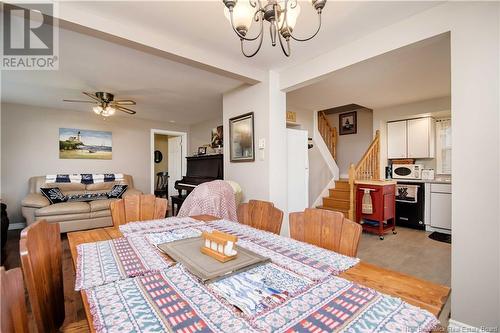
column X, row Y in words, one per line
column 410, row 205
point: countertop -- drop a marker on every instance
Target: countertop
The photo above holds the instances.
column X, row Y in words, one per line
column 376, row 182
column 431, row 181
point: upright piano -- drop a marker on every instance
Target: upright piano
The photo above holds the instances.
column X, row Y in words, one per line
column 200, row 169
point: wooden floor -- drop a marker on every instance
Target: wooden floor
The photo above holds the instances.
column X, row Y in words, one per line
column 72, row 300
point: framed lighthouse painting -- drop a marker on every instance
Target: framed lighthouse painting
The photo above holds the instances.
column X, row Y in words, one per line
column 85, row 144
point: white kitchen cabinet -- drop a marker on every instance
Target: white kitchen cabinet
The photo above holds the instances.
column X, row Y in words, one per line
column 413, row 138
column 440, row 206
column 396, row 139
column 421, row 134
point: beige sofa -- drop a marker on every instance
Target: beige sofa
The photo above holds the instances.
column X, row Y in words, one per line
column 72, row 216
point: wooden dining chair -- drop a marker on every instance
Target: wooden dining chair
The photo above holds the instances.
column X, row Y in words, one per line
column 138, row 208
column 41, row 261
column 327, row 229
column 14, row 314
column 261, row 215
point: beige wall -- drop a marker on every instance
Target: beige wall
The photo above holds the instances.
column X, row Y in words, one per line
column 201, row 133
column 161, row 144
column 351, row 147
column 30, row 147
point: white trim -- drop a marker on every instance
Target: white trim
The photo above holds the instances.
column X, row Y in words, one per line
column 443, row 231
column 17, row 226
column 152, row 148
column 457, row 326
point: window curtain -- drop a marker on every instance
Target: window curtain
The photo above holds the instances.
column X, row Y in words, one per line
column 443, row 146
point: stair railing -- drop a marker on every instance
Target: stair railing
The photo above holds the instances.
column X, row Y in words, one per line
column 368, row 168
column 328, row 133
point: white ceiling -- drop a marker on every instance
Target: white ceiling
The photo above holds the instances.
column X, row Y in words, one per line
column 203, row 23
column 416, row 72
column 164, row 90
column 169, row 91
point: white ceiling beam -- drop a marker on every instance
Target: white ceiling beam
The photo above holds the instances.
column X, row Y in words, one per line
column 110, row 28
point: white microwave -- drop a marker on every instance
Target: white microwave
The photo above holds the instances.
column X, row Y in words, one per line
column 407, row 171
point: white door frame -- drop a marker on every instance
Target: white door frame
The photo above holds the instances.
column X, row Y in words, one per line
column 152, row 149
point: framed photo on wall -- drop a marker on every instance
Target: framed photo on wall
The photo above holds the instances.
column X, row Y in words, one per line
column 241, row 138
column 348, row 123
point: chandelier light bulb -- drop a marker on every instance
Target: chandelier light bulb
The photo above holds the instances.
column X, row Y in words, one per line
column 242, row 15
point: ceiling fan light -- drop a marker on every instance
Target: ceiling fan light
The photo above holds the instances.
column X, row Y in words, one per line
column 110, row 110
column 98, row 109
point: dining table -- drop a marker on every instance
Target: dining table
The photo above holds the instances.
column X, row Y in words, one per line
column 415, row 291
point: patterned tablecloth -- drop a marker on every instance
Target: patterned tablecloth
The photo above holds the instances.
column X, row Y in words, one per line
column 297, row 292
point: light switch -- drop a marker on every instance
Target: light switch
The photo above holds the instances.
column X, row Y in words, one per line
column 262, row 143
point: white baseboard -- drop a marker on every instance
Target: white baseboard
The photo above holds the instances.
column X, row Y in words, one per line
column 443, row 231
column 457, row 326
column 17, row 226
column 324, row 193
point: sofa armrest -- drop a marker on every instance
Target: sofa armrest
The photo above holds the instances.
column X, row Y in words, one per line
column 35, row 200
column 131, row 191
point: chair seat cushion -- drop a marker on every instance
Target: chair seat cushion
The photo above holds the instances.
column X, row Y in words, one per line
column 99, row 205
column 64, row 208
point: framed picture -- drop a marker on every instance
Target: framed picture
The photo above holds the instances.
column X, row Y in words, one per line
column 77, row 143
column 348, row 123
column 241, row 138
column 217, row 137
column 202, row 150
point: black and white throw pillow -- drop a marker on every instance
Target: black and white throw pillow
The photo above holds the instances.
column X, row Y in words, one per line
column 54, row 195
column 85, row 197
column 117, row 191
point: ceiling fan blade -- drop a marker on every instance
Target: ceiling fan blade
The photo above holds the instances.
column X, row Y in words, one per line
column 121, row 108
column 123, row 102
column 93, row 96
column 77, row 101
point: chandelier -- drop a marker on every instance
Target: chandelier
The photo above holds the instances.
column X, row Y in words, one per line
column 281, row 14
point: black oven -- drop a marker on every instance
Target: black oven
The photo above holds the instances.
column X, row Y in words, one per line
column 410, row 201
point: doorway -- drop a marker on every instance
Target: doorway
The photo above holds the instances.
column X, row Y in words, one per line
column 168, row 154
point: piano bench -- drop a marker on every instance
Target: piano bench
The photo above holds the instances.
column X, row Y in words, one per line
column 177, row 201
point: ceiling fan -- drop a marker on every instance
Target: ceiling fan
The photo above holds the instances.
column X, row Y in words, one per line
column 106, row 105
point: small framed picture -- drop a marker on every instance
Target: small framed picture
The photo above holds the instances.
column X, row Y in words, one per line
column 202, row 150
column 348, row 123
column 241, row 138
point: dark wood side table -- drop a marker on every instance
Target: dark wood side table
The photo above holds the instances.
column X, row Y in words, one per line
column 4, row 229
column 177, row 201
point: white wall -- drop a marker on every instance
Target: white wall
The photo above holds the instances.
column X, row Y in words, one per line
column 200, row 134
column 351, row 147
column 30, row 147
column 253, row 177
column 475, row 42
column 405, row 111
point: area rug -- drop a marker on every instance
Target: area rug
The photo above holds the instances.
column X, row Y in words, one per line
column 440, row 237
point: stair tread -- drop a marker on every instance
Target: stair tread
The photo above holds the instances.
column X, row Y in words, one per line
column 334, row 209
column 337, row 199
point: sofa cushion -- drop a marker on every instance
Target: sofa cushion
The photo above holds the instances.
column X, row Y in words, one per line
column 64, row 208
column 117, row 191
column 66, row 186
column 99, row 205
column 35, row 200
column 105, row 186
column 53, row 194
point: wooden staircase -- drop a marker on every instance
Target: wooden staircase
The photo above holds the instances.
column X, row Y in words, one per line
column 338, row 198
column 342, row 197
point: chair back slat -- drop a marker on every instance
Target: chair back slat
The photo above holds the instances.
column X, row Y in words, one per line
column 327, row 229
column 40, row 249
column 261, row 215
column 138, row 208
column 14, row 314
